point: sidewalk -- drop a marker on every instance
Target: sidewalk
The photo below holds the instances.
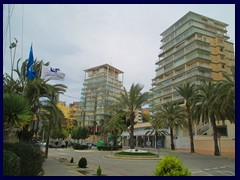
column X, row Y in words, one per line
column 52, row 167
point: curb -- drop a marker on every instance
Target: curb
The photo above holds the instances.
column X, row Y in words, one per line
column 133, row 158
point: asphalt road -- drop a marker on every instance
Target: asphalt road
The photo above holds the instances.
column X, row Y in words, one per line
column 198, row 164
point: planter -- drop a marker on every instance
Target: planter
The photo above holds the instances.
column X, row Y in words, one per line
column 85, row 171
column 98, row 175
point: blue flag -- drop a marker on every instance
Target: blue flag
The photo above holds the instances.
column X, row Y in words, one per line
column 31, row 74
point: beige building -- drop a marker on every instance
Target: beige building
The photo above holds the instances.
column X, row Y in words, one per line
column 195, row 48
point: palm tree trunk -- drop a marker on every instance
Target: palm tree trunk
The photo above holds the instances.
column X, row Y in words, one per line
column 190, row 131
column 132, row 137
column 216, row 148
column 171, row 135
column 156, row 138
column 47, row 142
column 132, row 141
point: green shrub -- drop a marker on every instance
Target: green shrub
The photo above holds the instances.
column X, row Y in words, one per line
column 122, row 153
column 79, row 146
column 109, row 148
column 171, row 166
column 99, row 171
column 11, row 164
column 71, row 160
column 82, row 163
column 31, row 157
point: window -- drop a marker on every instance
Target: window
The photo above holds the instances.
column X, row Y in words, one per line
column 221, row 49
column 222, row 130
column 222, row 57
column 220, row 40
column 223, row 66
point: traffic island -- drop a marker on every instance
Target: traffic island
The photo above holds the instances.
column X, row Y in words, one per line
column 134, row 154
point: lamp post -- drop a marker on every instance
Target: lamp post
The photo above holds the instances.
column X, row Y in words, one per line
column 13, row 45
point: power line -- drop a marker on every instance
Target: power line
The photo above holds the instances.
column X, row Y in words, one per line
column 71, row 96
column 22, row 29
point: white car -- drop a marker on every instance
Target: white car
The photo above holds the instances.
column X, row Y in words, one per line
column 52, row 144
column 42, row 144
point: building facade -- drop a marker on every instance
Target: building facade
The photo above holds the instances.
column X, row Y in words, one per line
column 66, row 124
column 194, row 49
column 102, row 84
column 74, row 113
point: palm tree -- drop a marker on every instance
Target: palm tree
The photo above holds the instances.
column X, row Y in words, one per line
column 36, row 89
column 207, row 108
column 129, row 102
column 187, row 90
column 52, row 115
column 156, row 128
column 226, row 95
column 16, row 112
column 115, row 126
column 172, row 116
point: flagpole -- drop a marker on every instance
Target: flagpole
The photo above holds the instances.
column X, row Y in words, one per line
column 40, row 72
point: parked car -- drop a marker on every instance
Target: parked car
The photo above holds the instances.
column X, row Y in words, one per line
column 60, row 144
column 94, row 144
column 42, row 144
column 87, row 143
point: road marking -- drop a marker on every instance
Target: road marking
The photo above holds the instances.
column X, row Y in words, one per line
column 201, row 173
column 84, row 150
column 226, row 173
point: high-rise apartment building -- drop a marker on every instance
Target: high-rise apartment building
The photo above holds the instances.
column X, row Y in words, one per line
column 102, row 84
column 195, row 48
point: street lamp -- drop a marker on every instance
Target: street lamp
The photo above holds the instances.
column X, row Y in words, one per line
column 13, row 45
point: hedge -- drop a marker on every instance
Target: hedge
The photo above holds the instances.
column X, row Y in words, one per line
column 80, row 146
column 109, row 148
column 31, row 157
column 11, row 164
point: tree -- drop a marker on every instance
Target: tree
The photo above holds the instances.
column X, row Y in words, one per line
column 156, row 128
column 115, row 126
column 34, row 90
column 172, row 115
column 16, row 113
column 94, row 129
column 187, row 90
column 226, row 95
column 80, row 133
column 207, row 108
column 129, row 102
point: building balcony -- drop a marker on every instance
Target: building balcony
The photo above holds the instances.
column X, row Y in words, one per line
column 185, row 35
column 187, row 50
column 198, row 65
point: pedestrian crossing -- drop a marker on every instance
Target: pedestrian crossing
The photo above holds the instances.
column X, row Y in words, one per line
column 216, row 171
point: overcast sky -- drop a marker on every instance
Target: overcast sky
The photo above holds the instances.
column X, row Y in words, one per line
column 77, row 37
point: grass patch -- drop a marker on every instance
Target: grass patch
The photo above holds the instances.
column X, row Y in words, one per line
column 149, row 154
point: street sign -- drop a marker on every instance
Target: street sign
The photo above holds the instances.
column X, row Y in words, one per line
column 111, row 143
column 148, row 143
